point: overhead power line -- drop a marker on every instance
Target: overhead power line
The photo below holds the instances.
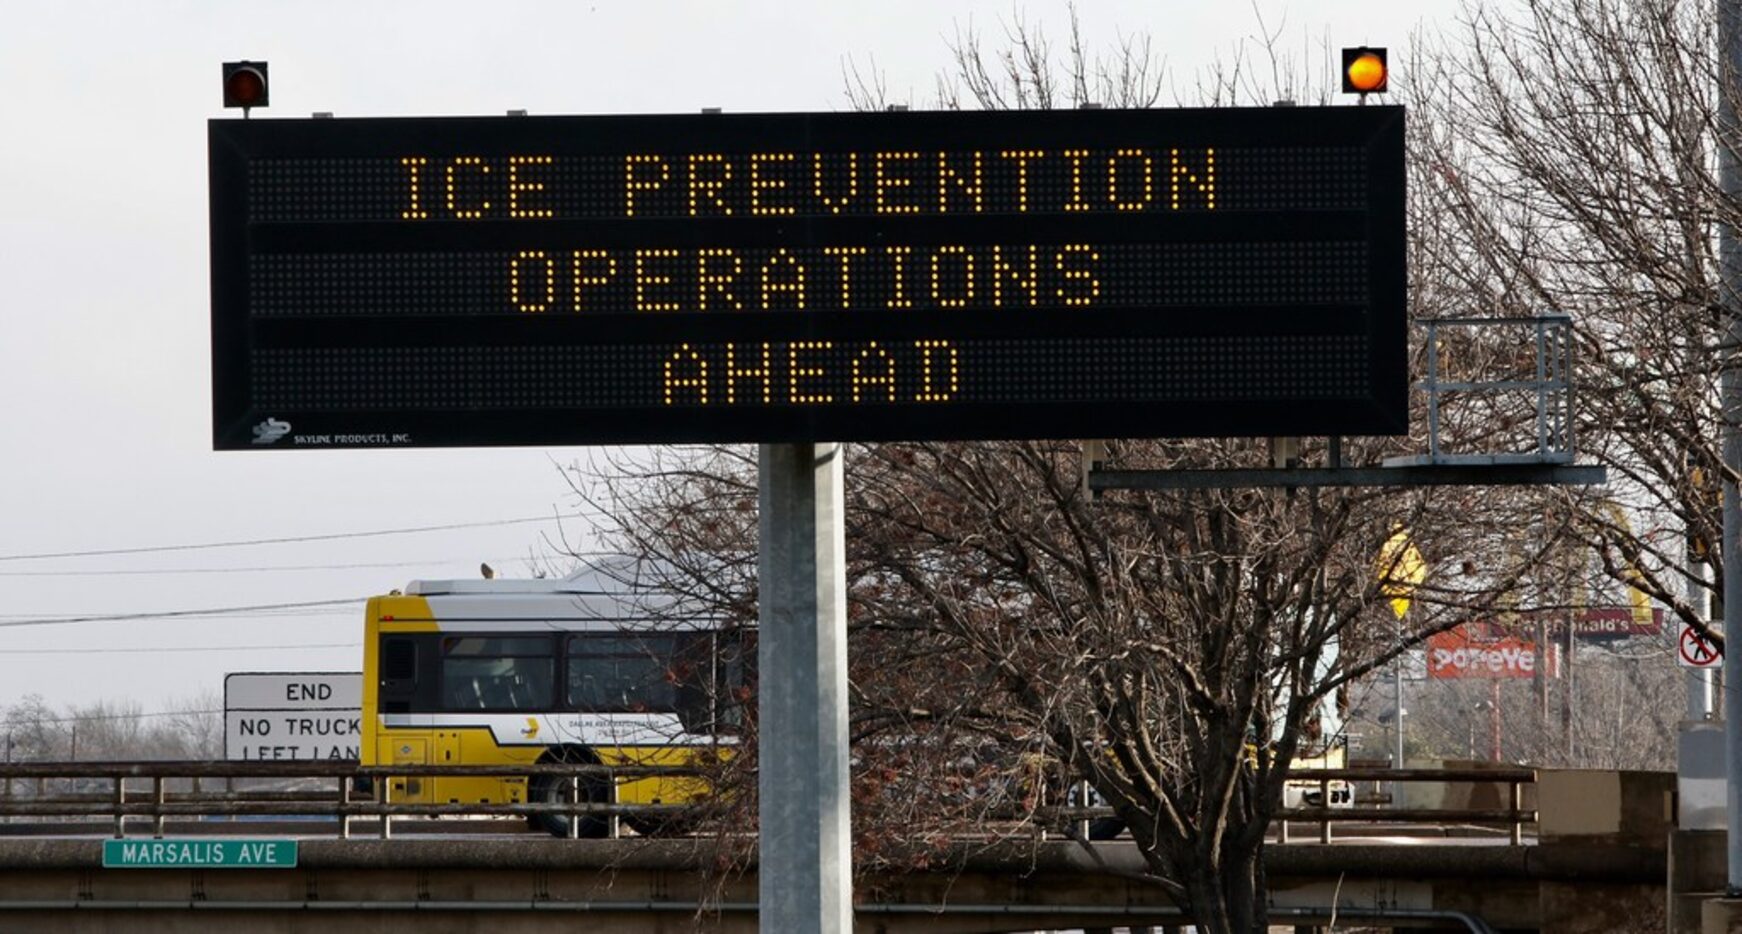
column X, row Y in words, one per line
column 262, row 609
column 431, row 563
column 177, row 614
column 133, row 650
column 147, row 572
column 288, row 540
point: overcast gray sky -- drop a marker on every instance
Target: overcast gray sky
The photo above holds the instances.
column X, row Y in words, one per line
column 104, row 355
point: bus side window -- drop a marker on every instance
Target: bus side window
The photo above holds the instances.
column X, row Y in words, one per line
column 624, row 673
column 398, row 674
column 507, row 672
column 736, row 651
column 691, row 665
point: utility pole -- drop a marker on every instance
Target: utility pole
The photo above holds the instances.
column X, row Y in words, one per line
column 1730, row 407
column 1568, row 698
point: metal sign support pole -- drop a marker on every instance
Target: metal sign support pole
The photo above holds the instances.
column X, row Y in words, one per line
column 1397, row 715
column 805, row 864
column 1699, row 680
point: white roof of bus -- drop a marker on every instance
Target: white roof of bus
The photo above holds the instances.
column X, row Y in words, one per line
column 605, row 591
column 500, row 587
column 563, row 607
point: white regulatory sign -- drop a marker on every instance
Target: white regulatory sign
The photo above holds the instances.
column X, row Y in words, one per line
column 292, row 715
column 1693, row 650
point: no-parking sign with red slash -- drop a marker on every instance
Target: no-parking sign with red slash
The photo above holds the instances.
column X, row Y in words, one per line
column 1694, row 650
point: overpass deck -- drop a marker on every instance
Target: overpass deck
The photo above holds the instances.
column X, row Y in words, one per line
column 1596, row 850
column 464, row 882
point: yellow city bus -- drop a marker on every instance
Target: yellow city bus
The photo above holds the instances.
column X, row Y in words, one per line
column 491, row 672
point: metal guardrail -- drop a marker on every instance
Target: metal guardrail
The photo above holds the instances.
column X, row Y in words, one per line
column 336, row 796
column 1514, row 817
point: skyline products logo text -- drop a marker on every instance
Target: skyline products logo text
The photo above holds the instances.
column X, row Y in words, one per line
column 273, row 430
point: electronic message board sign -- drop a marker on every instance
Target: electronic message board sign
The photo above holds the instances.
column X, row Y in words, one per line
column 793, row 277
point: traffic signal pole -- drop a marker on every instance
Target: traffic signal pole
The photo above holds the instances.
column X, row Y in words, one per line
column 1730, row 405
column 805, row 861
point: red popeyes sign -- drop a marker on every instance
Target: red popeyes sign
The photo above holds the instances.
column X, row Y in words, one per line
column 1454, row 654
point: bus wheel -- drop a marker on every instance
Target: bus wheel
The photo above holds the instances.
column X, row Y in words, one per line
column 1105, row 828
column 1100, row 828
column 560, row 789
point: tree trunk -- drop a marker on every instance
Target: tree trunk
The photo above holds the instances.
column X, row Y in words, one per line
column 1245, row 888
column 1228, row 899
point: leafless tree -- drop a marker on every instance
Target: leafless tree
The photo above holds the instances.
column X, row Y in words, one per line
column 193, row 727
column 1172, row 649
column 1564, row 155
column 1611, row 714
column 189, row 728
column 30, row 730
column 109, row 729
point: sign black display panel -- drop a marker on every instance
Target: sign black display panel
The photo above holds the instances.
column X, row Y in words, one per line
column 793, row 277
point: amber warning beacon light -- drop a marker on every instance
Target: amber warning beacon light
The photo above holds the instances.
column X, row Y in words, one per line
column 245, row 85
column 1364, row 71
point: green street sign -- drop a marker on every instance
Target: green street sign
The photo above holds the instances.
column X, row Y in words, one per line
column 199, row 854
